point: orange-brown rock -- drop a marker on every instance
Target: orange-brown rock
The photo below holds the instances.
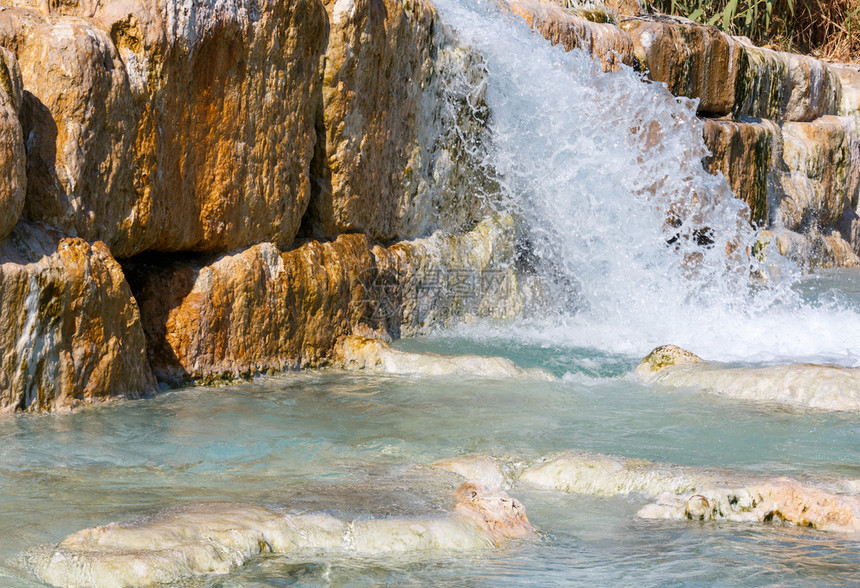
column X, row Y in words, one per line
column 70, row 328
column 167, row 126
column 605, row 42
column 399, row 95
column 254, row 311
column 693, row 60
column 13, row 174
column 78, row 121
column 261, row 310
column 744, row 154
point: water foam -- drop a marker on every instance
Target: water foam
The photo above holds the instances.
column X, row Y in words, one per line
column 639, row 244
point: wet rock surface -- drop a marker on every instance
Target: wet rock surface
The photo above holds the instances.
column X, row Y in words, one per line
column 216, row 538
column 71, row 329
column 804, row 385
column 604, row 42
column 682, row 492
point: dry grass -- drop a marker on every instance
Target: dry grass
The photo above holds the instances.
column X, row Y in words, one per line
column 829, row 29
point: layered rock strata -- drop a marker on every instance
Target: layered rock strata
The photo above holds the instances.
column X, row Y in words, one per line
column 151, row 127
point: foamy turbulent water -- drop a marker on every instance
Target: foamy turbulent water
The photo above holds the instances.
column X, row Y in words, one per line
column 595, row 164
column 571, row 146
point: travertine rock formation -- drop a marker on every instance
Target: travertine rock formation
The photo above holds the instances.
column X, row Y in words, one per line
column 691, row 59
column 822, row 160
column 260, row 309
column 70, row 331
column 376, row 356
column 805, row 385
column 403, row 114
column 443, row 279
column 772, row 500
column 743, row 152
column 158, row 126
column 605, row 42
column 254, row 311
column 216, row 538
column 784, row 86
column 683, row 492
column 13, row 178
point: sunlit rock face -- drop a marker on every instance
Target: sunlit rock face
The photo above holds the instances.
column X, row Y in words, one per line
column 261, row 309
column 730, row 76
column 804, row 385
column 744, row 154
column 375, row 355
column 216, row 538
column 169, row 126
column 253, row 311
column 692, row 60
column 70, row 327
column 13, row 178
column 769, row 501
column 822, row 159
column 784, row 86
column 604, row 42
column 402, row 124
column 78, row 122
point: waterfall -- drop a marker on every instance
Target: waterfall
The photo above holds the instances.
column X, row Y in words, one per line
column 638, row 244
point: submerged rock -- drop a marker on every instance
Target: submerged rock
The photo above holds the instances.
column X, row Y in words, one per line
column 683, row 492
column 807, row 385
column 71, row 331
column 375, row 355
column 580, row 472
column 216, row 538
column 776, row 500
column 600, row 475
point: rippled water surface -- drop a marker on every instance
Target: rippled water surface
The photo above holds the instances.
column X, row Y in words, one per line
column 359, row 445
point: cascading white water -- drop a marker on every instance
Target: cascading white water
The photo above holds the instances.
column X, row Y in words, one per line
column 642, row 245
